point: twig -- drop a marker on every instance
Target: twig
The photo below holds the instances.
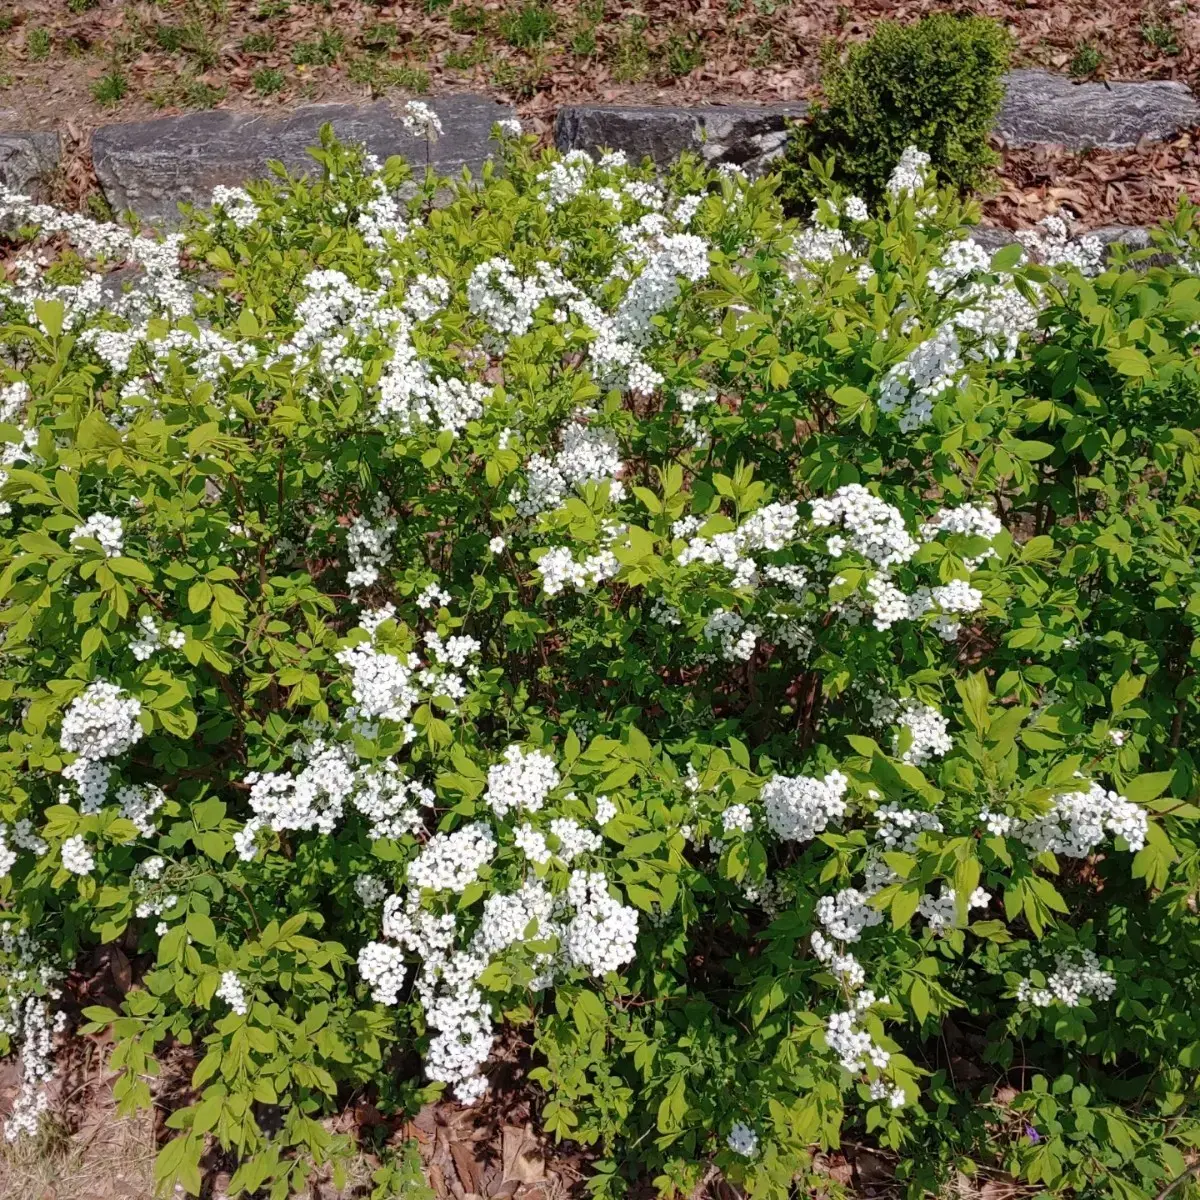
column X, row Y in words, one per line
column 1194, row 1169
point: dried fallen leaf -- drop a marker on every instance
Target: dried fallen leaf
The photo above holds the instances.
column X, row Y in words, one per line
column 522, row 1157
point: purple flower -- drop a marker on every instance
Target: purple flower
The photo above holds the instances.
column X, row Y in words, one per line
column 1032, row 1134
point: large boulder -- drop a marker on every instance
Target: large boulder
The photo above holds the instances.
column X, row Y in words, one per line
column 1043, row 108
column 27, row 160
column 149, row 166
column 746, row 135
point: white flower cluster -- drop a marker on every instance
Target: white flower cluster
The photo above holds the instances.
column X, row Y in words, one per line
column 20, row 837
column 743, row 1140
column 558, row 568
column 736, row 640
column 816, row 243
column 139, row 802
column 853, row 1044
column 101, row 723
column 236, row 203
column 28, row 1023
column 410, row 395
column 314, row 799
column 1052, row 241
column 910, row 173
column 565, row 178
column 894, row 1095
column 106, row 530
column 419, row 119
column 602, row 934
column 425, row 296
column 970, row 520
column 392, row 803
column 769, row 528
column 927, row 726
column 598, row 935
column 616, row 351
column 846, row 967
column 1078, row 822
column 76, row 857
column 521, row 782
column 940, row 911
column 737, row 818
column 370, row 889
column 572, row 839
column 900, row 828
column 451, row 862
column 877, row 530
column 151, row 639
column 507, row 301
column 847, row 913
column 153, row 901
column 233, row 993
column 1077, row 976
column 960, row 258
column 801, row 806
column 383, row 686
column 368, row 542
column 930, row 369
column 589, row 454
column 384, row 970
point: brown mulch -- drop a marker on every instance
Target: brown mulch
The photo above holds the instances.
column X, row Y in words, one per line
column 659, row 50
column 1140, row 186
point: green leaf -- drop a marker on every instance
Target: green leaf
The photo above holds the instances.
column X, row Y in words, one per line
column 201, row 929
column 1006, row 258
column 200, row 595
column 1127, row 689
column 1127, row 360
column 1148, row 787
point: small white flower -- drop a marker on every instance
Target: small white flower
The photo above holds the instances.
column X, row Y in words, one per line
column 232, row 992
column 743, row 1140
column 76, row 857
column 420, row 119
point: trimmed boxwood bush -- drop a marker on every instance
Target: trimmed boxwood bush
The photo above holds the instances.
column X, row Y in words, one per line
column 936, row 84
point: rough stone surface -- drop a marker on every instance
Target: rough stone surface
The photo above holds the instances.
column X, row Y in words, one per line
column 749, row 136
column 1043, row 108
column 27, row 160
column 149, row 166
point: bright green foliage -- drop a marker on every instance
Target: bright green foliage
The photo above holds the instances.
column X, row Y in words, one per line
column 936, row 84
column 239, row 458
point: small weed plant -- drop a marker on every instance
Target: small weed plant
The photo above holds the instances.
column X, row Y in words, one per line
column 1086, row 60
column 754, row 662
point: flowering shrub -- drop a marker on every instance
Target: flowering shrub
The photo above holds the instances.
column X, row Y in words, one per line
column 750, row 663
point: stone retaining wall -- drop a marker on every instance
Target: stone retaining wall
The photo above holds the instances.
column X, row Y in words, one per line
column 149, row 166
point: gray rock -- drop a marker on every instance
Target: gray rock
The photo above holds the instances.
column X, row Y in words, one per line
column 149, row 166
column 1133, row 237
column 991, row 237
column 746, row 135
column 1043, row 108
column 27, row 160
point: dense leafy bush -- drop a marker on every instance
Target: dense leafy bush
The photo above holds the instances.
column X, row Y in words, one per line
column 936, row 84
column 754, row 664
